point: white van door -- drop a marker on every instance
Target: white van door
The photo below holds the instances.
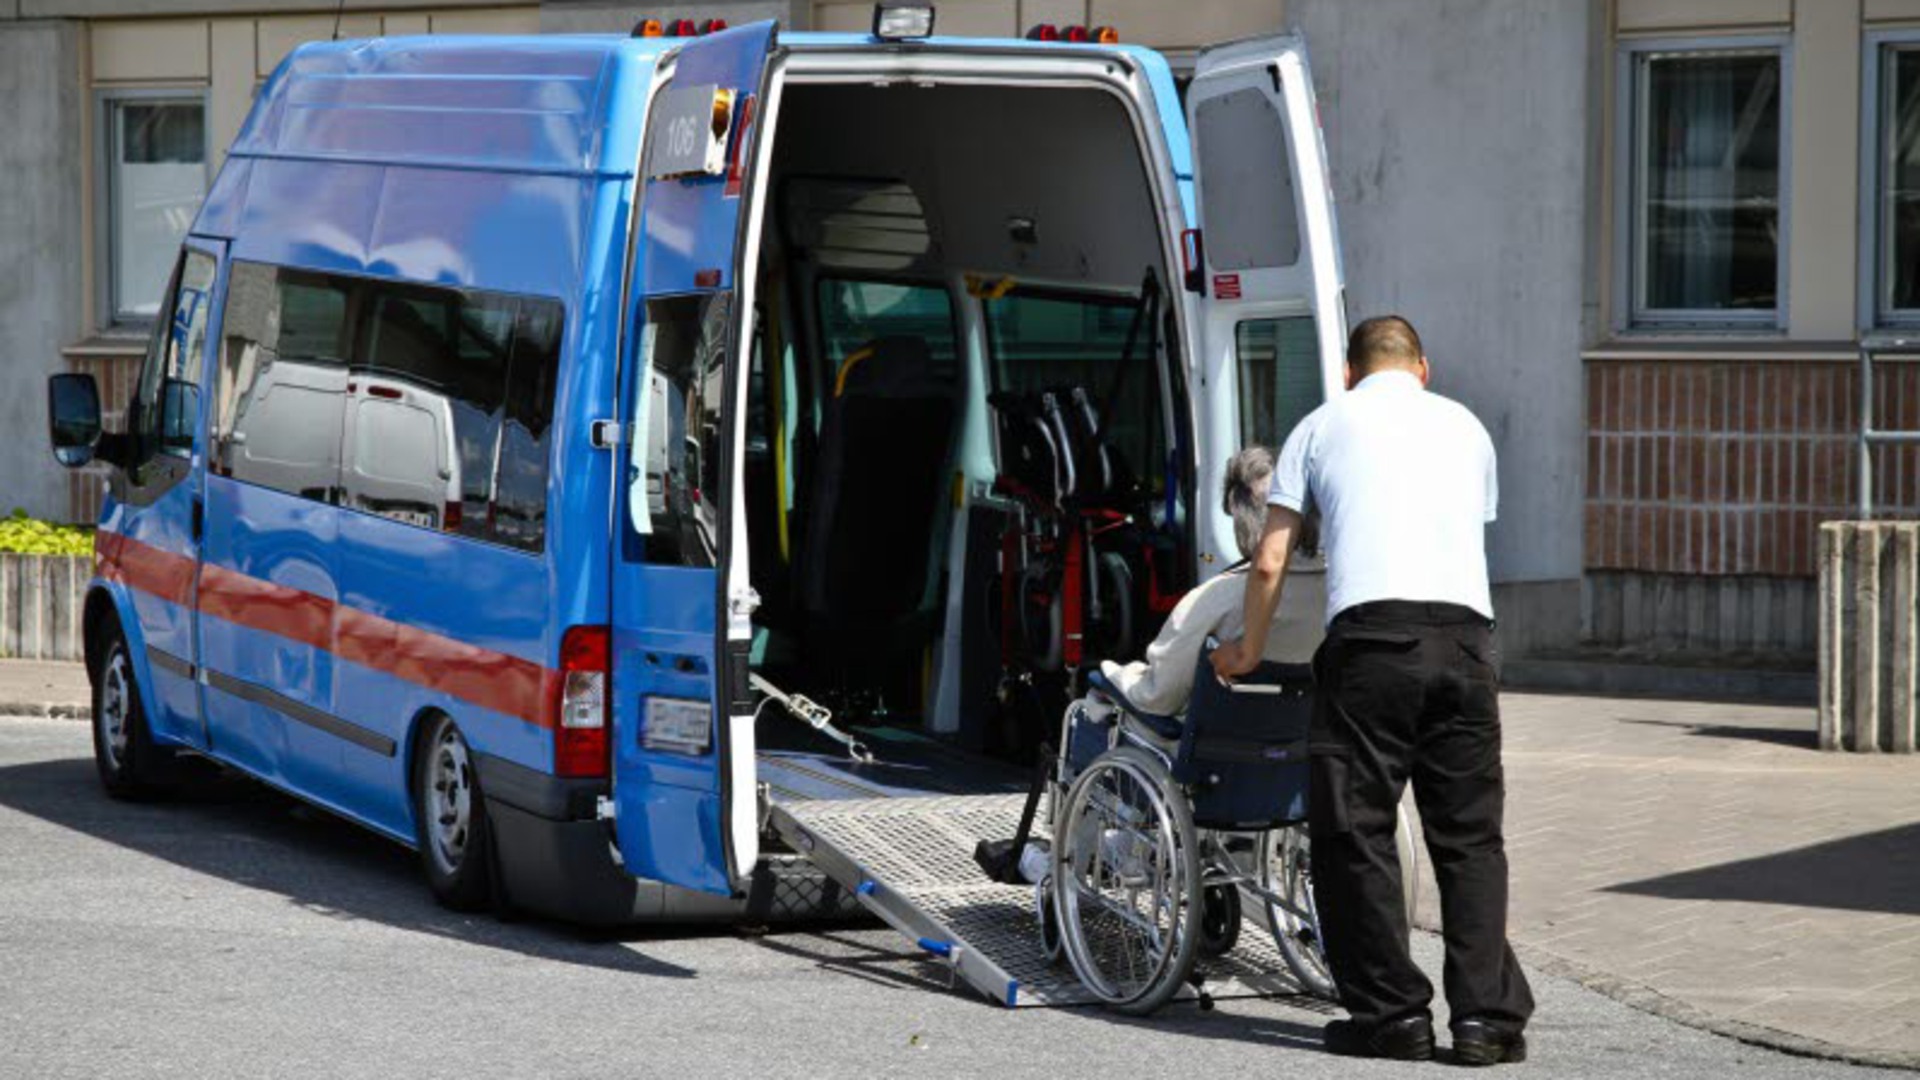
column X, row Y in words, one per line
column 1264, row 264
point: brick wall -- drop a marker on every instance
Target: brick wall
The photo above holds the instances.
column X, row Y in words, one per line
column 1728, row 467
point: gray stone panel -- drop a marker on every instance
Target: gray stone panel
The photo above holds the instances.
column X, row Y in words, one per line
column 1459, row 135
column 40, row 248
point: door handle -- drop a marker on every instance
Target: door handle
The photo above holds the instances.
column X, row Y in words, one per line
column 199, row 517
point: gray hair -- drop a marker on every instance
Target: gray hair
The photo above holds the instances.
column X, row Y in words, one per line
column 1244, row 496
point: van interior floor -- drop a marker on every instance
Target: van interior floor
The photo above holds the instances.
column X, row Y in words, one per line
column 798, row 763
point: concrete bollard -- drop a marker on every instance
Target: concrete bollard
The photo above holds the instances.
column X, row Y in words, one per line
column 1869, row 635
column 40, row 606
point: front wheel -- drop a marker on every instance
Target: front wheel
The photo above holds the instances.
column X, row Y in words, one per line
column 450, row 821
column 131, row 765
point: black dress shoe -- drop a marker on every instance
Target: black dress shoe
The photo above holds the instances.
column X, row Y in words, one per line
column 1409, row 1038
column 1477, row 1042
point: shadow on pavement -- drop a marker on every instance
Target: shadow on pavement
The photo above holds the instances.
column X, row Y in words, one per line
column 1794, row 738
column 248, row 834
column 1875, row 872
column 902, row 969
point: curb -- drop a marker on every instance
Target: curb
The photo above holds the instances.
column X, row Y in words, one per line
column 1648, row 1000
column 30, row 710
column 1551, row 675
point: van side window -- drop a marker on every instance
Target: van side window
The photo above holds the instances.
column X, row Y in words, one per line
column 1279, row 365
column 282, row 389
column 429, row 406
column 675, row 463
column 520, row 488
column 424, row 407
column 166, row 402
column 854, row 313
column 1042, row 341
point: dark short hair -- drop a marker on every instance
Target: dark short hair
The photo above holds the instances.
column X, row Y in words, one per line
column 1383, row 341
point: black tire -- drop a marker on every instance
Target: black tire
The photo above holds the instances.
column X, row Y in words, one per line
column 131, row 766
column 450, row 818
column 1219, row 919
column 1126, row 777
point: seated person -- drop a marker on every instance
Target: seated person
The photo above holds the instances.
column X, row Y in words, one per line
column 1161, row 683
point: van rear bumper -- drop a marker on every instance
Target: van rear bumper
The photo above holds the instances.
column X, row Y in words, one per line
column 555, row 859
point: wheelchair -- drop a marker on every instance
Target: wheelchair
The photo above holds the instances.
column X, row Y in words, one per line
column 1165, row 830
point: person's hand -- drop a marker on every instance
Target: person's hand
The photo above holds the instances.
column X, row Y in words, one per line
column 1232, row 660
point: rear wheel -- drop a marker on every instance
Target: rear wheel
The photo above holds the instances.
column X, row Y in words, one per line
column 1127, row 881
column 131, row 766
column 450, row 821
column 1286, row 877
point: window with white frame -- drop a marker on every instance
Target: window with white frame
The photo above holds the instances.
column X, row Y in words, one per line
column 1893, row 131
column 1704, row 184
column 156, row 176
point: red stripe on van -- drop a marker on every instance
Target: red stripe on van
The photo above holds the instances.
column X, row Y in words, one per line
column 484, row 677
column 292, row 613
column 165, row 574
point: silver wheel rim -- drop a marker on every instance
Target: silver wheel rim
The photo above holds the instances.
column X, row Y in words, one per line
column 1288, row 876
column 1120, row 883
column 116, row 706
column 449, row 799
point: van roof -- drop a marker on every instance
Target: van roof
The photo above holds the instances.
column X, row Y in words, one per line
column 518, row 103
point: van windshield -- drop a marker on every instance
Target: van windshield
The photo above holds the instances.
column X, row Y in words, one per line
column 1052, row 340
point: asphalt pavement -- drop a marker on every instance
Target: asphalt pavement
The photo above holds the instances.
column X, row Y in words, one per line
column 238, row 934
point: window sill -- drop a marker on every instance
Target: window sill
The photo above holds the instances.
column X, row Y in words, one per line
column 108, row 345
column 1722, row 349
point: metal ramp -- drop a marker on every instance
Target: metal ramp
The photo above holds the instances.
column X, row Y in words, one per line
column 910, row 861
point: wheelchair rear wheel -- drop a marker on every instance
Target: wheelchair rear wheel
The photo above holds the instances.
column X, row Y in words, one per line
column 1286, row 877
column 1126, row 876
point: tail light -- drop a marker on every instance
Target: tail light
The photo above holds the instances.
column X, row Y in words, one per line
column 713, row 26
column 1106, row 35
column 649, row 28
column 1076, row 35
column 1044, row 32
column 580, row 703
column 683, row 28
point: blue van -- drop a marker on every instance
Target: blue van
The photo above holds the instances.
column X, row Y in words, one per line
column 525, row 410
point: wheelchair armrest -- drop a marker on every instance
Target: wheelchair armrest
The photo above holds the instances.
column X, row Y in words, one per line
column 1167, row 727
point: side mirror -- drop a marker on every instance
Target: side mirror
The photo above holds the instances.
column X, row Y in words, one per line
column 73, row 418
column 179, row 412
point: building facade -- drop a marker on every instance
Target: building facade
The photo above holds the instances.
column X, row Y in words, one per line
column 1642, row 238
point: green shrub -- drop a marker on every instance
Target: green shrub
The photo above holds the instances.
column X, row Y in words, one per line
column 22, row 535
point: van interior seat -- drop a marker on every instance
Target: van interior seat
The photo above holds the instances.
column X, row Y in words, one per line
column 880, row 482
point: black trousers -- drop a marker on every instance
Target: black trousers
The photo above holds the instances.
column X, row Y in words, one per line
column 1411, row 691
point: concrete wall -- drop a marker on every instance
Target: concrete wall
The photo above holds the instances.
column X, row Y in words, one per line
column 40, row 227
column 1459, row 134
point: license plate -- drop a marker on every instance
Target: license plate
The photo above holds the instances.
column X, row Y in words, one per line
column 677, row 724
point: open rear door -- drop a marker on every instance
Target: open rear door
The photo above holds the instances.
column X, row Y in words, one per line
column 1272, row 322
column 683, row 752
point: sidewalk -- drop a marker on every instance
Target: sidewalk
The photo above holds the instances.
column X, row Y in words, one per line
column 44, row 688
column 1707, row 863
column 1703, row 862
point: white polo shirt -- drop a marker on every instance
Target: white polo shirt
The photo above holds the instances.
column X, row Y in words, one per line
column 1405, row 484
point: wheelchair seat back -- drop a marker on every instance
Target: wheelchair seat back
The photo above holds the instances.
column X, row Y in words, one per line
column 1243, row 749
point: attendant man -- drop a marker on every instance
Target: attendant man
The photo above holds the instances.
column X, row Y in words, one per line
column 1408, row 683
